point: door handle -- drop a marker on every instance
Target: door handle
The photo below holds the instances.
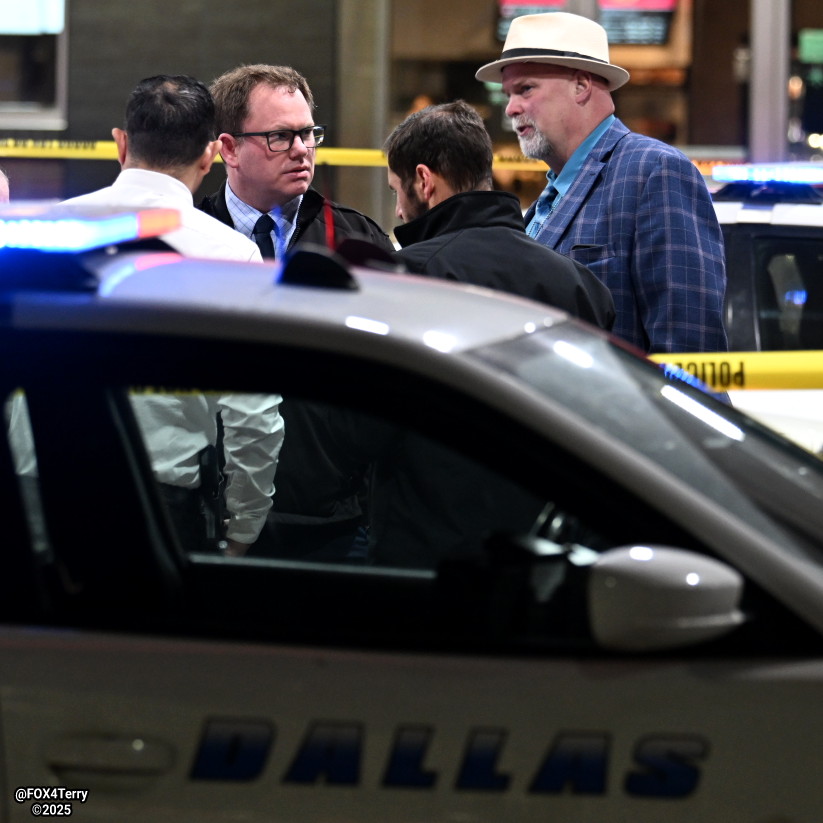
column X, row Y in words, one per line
column 108, row 762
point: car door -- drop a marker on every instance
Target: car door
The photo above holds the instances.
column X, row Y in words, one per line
column 775, row 303
column 151, row 681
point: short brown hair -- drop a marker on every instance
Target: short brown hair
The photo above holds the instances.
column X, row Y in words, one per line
column 450, row 139
column 231, row 91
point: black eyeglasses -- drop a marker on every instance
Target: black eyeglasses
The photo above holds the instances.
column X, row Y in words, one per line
column 283, row 139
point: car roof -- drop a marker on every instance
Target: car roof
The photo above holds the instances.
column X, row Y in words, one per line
column 780, row 194
column 167, row 294
column 778, row 214
column 104, row 270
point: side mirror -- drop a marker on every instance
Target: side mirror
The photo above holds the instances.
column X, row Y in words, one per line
column 647, row 598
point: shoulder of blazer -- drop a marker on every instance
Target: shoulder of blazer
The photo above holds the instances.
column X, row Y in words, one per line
column 608, row 141
column 215, row 205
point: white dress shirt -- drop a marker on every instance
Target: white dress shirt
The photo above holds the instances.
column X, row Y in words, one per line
column 200, row 234
column 176, row 428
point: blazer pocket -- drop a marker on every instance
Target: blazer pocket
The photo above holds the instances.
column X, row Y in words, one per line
column 587, row 255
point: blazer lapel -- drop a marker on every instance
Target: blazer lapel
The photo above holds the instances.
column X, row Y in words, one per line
column 564, row 212
column 567, row 209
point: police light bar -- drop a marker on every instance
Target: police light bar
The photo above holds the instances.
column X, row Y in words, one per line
column 64, row 228
column 809, row 173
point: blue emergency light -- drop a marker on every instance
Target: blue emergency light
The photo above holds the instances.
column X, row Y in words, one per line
column 52, row 246
column 808, row 173
column 60, row 228
column 680, row 375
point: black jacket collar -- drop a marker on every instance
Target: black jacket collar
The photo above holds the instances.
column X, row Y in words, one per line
column 469, row 209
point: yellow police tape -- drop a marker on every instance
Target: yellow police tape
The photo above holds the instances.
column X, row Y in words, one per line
column 752, row 370
column 106, row 150
column 326, row 155
column 59, row 149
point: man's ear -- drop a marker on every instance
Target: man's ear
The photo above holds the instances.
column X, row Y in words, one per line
column 583, row 84
column 121, row 139
column 424, row 182
column 228, row 149
column 209, row 153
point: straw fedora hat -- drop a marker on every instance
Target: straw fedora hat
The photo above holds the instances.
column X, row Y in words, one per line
column 560, row 39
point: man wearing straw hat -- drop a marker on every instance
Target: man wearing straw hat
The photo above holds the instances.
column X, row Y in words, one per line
column 633, row 209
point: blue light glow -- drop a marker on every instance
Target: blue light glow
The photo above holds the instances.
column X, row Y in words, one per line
column 677, row 373
column 810, row 173
column 67, row 233
column 54, row 227
column 796, row 297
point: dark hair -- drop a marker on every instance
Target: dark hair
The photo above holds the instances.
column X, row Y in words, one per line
column 231, row 91
column 169, row 120
column 450, row 139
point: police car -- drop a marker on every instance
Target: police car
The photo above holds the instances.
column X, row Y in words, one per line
column 648, row 647
column 772, row 220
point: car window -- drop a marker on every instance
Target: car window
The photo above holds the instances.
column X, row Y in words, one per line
column 347, row 487
column 313, row 481
column 789, row 286
column 388, row 519
column 701, row 440
column 21, row 443
column 435, row 518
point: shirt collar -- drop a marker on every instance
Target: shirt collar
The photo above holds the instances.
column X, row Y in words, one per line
column 159, row 182
column 245, row 216
column 567, row 176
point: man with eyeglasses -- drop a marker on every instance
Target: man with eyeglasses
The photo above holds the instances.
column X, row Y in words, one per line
column 269, row 140
column 265, row 122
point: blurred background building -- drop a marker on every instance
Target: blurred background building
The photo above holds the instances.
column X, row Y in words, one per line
column 722, row 79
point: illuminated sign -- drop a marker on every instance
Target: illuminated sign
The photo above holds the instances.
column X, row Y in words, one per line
column 810, row 45
column 509, row 9
column 32, row 16
column 640, row 22
column 637, row 22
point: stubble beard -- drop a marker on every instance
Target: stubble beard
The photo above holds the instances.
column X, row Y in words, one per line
column 415, row 206
column 536, row 145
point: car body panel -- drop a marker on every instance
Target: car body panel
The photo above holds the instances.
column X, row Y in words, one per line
column 176, row 685
column 399, row 306
column 777, row 214
column 342, row 735
column 159, row 309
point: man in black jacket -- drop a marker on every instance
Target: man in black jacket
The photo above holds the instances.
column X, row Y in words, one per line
column 264, row 119
column 428, row 503
column 457, row 228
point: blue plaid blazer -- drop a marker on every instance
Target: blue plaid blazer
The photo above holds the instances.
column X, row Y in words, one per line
column 640, row 217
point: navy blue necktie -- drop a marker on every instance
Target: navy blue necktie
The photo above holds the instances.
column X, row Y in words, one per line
column 262, row 235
